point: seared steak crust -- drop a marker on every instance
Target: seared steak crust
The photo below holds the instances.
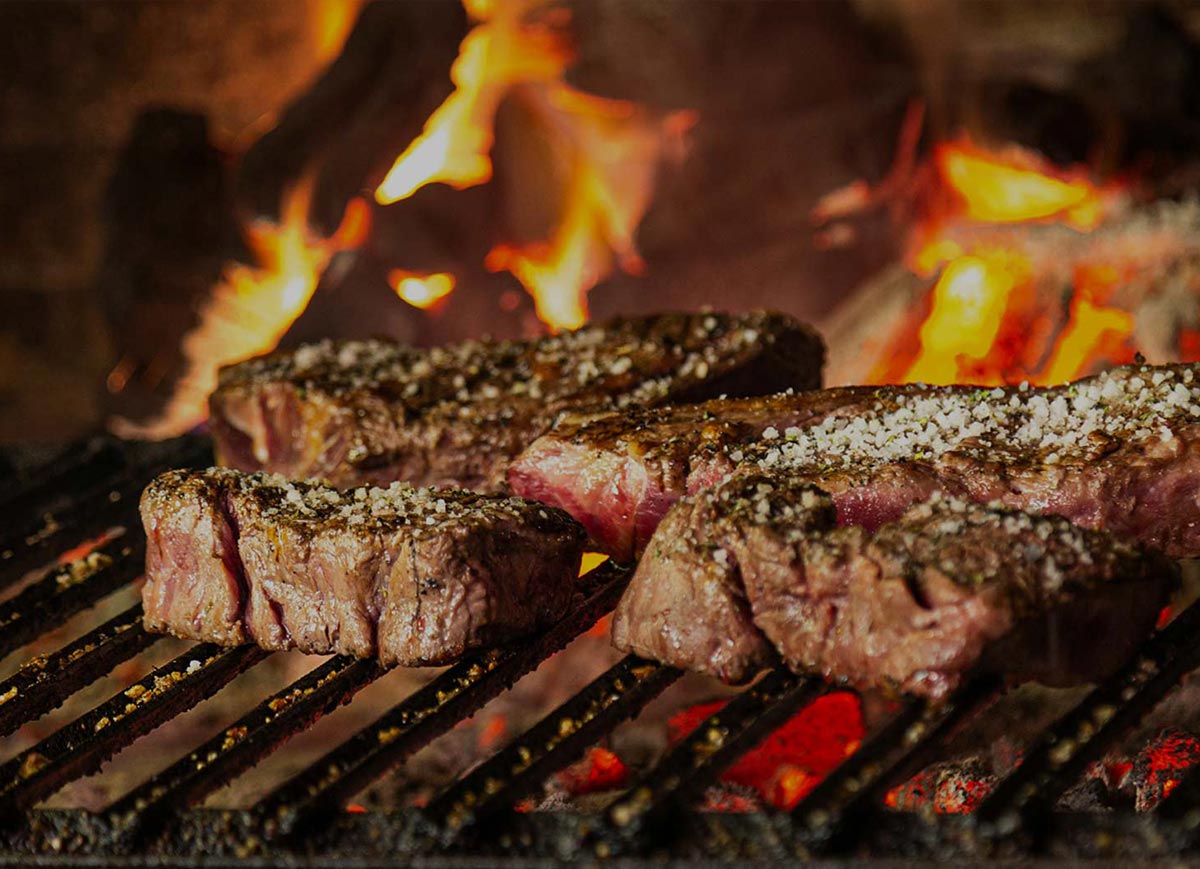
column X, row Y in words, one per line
column 1117, row 451
column 376, row 411
column 618, row 473
column 686, row 605
column 415, row 576
column 949, row 586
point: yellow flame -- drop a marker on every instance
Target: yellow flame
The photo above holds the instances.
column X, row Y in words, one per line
column 590, row 561
column 973, row 297
column 454, row 146
column 1091, row 327
column 421, row 291
column 252, row 307
column 331, row 25
column 999, row 191
column 610, row 149
column 969, row 301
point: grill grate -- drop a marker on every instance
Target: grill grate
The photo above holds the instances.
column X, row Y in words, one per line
column 94, row 489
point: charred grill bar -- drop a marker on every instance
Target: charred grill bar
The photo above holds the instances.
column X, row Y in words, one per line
column 95, row 489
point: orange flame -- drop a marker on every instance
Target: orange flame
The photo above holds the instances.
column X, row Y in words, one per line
column 331, row 25
column 609, row 149
column 982, row 319
column 612, row 150
column 421, row 291
column 454, row 147
column 1094, row 327
column 1015, row 187
column 253, row 306
column 969, row 301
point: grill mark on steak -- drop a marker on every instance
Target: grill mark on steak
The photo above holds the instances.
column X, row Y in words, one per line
column 911, row 606
column 415, row 576
column 374, row 411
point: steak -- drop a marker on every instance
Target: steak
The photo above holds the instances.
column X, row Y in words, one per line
column 686, row 605
column 413, row 576
column 1118, row 451
column 376, row 411
column 948, row 587
column 618, row 473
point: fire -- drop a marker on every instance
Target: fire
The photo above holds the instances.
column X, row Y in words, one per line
column 600, row 770
column 609, row 151
column 331, row 25
column 1015, row 187
column 421, row 291
column 985, row 324
column 794, row 759
column 969, row 300
column 253, row 306
column 454, row 147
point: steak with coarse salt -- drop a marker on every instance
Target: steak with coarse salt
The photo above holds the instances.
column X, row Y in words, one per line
column 413, row 576
column 949, row 587
column 686, row 605
column 376, row 411
column 618, row 473
column 1119, row 451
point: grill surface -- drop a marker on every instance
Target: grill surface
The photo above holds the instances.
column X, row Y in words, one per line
column 94, row 490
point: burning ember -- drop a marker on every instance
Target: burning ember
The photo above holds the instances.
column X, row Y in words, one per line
column 1161, row 765
column 1014, row 270
column 985, row 317
column 792, row 760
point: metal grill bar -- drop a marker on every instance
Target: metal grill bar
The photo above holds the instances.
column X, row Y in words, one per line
column 44, row 683
column 550, row 745
column 81, row 464
column 902, row 748
column 82, row 746
column 84, row 514
column 713, row 746
column 238, row 747
column 67, row 590
column 1062, row 754
column 428, row 713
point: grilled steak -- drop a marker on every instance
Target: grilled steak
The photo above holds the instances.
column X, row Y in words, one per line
column 375, row 411
column 686, row 605
column 948, row 586
column 415, row 576
column 1117, row 451
column 618, row 473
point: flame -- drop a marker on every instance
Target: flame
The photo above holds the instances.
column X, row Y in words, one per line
column 421, row 291
column 331, row 25
column 590, row 561
column 454, row 146
column 984, row 320
column 1016, row 186
column 1093, row 326
column 609, row 149
column 253, row 306
column 968, row 302
column 612, row 150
